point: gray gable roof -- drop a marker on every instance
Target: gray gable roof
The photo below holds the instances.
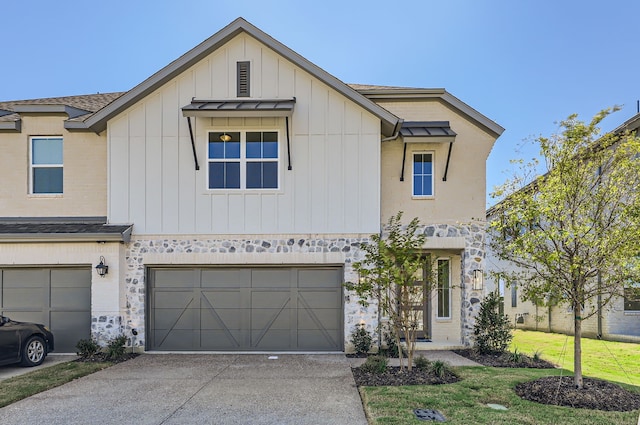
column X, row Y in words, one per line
column 391, row 93
column 98, row 121
column 77, row 108
column 63, row 229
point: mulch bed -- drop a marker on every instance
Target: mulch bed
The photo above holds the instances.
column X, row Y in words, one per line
column 393, row 376
column 504, row 360
column 595, row 394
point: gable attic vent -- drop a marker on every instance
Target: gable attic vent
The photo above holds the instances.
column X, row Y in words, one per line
column 243, row 79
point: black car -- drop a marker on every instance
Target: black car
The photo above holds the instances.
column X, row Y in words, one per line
column 25, row 343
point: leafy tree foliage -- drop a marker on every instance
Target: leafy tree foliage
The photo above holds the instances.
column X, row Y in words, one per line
column 492, row 330
column 387, row 275
column 574, row 231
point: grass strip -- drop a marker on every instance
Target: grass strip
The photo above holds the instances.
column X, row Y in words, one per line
column 465, row 402
column 23, row 386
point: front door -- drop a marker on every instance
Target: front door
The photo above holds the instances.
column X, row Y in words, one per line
column 416, row 305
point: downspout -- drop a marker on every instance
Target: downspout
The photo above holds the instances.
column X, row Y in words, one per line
column 599, row 305
column 396, row 131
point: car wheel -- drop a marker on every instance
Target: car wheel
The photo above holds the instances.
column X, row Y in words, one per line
column 34, row 352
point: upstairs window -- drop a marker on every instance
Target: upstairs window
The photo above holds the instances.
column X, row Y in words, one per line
column 243, row 160
column 46, row 174
column 423, row 174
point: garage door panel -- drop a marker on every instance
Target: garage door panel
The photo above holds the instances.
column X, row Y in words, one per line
column 176, row 318
column 326, row 318
column 70, row 298
column 174, row 278
column 317, row 340
column 221, row 340
column 25, row 278
column 280, row 308
column 63, row 278
column 222, row 299
column 58, row 297
column 175, row 340
column 271, row 278
column 221, row 319
column 319, row 278
column 319, row 299
column 18, row 298
column 272, row 318
column 173, row 299
column 270, row 299
column 225, row 278
column 65, row 324
column 273, row 339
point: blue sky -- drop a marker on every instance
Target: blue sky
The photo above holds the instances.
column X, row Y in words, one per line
column 524, row 64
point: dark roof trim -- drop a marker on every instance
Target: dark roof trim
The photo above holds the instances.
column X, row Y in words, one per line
column 98, row 121
column 4, row 112
column 427, row 131
column 62, row 229
column 399, row 93
column 50, row 109
column 245, row 108
column 11, row 126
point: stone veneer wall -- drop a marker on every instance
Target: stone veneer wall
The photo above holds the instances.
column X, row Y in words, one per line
column 347, row 248
column 473, row 258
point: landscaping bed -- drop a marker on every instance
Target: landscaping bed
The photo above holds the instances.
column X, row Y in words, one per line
column 507, row 359
column 595, row 394
column 394, row 376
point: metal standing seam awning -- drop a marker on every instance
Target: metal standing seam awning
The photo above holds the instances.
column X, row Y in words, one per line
column 426, row 132
column 238, row 108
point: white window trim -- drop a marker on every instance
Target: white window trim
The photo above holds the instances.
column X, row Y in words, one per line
column 433, row 174
column 243, row 160
column 450, row 289
column 32, row 166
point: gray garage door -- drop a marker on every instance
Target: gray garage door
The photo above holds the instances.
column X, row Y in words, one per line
column 59, row 298
column 242, row 309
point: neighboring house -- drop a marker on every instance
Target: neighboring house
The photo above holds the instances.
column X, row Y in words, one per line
column 619, row 320
column 228, row 195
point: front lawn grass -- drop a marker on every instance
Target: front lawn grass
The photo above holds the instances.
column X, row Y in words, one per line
column 465, row 402
column 23, row 386
column 608, row 360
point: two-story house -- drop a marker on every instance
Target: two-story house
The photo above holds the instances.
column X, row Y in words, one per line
column 221, row 203
column 617, row 320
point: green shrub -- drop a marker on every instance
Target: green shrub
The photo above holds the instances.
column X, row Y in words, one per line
column 361, row 339
column 440, row 368
column 492, row 330
column 86, row 348
column 116, row 348
column 537, row 355
column 421, row 362
column 515, row 356
column 390, row 348
column 374, row 364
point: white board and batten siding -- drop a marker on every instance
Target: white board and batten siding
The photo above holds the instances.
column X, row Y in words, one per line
column 334, row 186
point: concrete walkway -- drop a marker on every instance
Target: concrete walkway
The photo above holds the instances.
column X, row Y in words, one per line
column 10, row 371
column 202, row 388
column 445, row 355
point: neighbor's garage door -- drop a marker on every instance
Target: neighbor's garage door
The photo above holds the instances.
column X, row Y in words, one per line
column 245, row 309
column 59, row 298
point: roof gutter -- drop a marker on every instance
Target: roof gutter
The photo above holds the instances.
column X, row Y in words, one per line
column 396, row 131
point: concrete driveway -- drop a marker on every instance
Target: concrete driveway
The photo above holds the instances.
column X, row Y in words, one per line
column 204, row 389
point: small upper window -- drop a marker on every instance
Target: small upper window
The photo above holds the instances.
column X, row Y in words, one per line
column 422, row 174
column 243, row 160
column 46, row 165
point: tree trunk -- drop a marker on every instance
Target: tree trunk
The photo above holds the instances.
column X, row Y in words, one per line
column 577, row 347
